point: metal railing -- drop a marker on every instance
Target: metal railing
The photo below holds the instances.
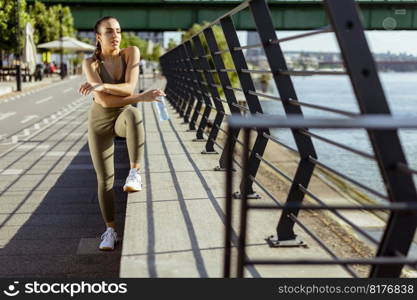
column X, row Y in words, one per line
column 389, row 261
column 191, row 86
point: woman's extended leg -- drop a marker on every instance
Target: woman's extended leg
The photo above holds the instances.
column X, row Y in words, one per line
column 129, row 124
column 102, row 150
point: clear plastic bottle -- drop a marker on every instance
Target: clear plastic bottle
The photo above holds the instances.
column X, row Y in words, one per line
column 162, row 109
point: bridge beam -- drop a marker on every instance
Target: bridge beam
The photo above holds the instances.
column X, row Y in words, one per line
column 163, row 15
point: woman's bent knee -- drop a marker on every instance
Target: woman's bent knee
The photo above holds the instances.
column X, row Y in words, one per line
column 133, row 114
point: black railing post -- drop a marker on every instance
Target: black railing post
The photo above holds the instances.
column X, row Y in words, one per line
column 228, row 206
column 182, row 78
column 199, row 96
column 201, row 89
column 192, row 93
column 399, row 232
column 192, row 73
column 181, row 72
column 251, row 100
column 179, row 78
column 18, row 50
column 175, row 65
column 174, row 89
column 166, row 69
column 229, row 94
column 241, row 249
column 209, row 149
column 276, row 60
column 167, row 65
column 186, row 81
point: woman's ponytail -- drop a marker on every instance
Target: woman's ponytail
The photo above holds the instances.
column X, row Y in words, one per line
column 97, row 52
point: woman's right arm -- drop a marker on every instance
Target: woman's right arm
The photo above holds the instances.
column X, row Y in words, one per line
column 108, row 100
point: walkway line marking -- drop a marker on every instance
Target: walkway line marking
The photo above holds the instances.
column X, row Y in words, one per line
column 70, row 153
column 28, row 118
column 43, row 100
column 10, row 171
column 7, row 115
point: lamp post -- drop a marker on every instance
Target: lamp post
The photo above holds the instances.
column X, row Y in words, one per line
column 18, row 67
column 61, row 54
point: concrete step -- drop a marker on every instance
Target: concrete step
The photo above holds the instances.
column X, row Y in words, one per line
column 59, row 265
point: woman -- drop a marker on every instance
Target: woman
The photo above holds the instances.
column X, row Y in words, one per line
column 112, row 74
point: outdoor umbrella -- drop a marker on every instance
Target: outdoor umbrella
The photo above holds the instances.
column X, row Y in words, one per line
column 68, row 43
column 29, row 50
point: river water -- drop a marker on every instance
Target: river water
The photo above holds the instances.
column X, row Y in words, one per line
column 336, row 91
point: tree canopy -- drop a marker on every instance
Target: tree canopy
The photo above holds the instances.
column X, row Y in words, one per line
column 46, row 23
column 44, row 20
column 133, row 40
column 9, row 20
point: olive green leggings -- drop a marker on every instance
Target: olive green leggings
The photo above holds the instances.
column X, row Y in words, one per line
column 103, row 125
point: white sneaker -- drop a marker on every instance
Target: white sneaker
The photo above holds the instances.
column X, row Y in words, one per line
column 133, row 182
column 108, row 240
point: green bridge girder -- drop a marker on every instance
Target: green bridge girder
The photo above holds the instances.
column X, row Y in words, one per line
column 172, row 15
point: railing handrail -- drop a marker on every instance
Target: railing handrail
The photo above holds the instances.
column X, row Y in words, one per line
column 376, row 122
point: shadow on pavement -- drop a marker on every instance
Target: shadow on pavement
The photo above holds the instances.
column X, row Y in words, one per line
column 61, row 229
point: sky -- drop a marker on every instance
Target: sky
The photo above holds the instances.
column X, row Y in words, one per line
column 380, row 41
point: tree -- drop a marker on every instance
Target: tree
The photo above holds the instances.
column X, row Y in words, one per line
column 156, row 52
column 9, row 29
column 40, row 15
column 46, row 22
column 133, row 40
column 171, row 44
column 264, row 80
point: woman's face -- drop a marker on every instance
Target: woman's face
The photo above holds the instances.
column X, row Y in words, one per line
column 109, row 34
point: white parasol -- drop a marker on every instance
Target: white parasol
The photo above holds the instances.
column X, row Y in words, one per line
column 29, row 50
column 68, row 43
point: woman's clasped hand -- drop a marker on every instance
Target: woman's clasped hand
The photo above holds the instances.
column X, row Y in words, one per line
column 87, row 87
column 152, row 95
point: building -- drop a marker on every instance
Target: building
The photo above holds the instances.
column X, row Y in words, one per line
column 254, row 54
column 155, row 37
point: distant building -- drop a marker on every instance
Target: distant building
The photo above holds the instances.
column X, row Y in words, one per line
column 155, row 37
column 87, row 34
column 254, row 54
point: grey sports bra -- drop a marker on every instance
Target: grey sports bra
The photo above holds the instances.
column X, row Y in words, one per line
column 106, row 77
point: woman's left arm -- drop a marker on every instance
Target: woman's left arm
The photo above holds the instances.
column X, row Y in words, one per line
column 131, row 76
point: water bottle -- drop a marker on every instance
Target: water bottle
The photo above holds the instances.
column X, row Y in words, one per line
column 162, row 109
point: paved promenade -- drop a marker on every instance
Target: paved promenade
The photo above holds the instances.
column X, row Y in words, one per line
column 50, row 221
column 175, row 226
